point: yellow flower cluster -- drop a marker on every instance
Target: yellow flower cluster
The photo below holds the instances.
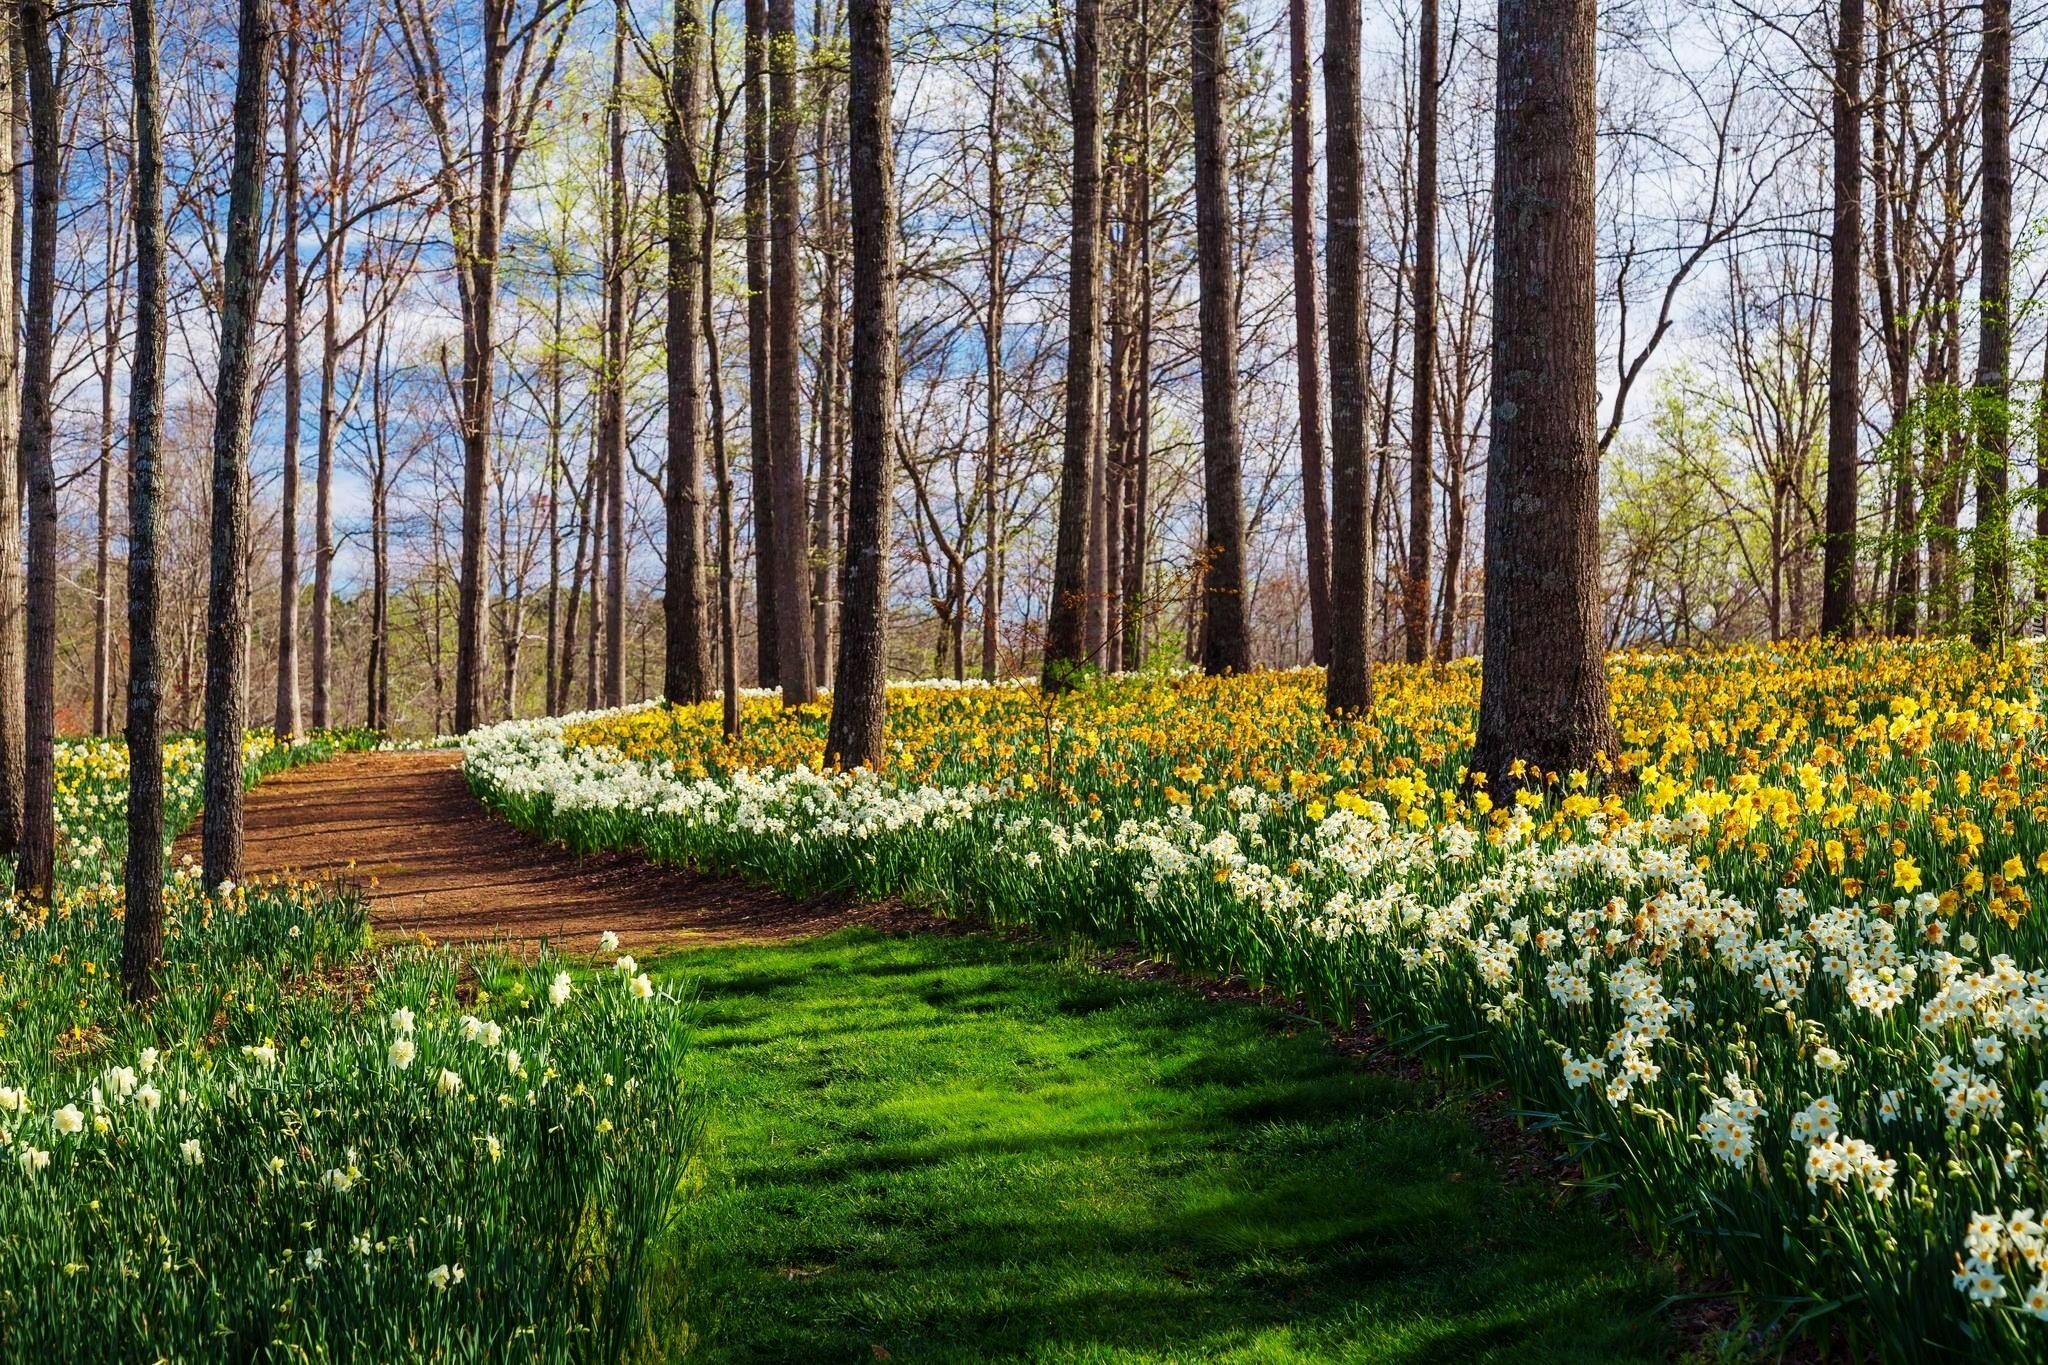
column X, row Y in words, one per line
column 1882, row 767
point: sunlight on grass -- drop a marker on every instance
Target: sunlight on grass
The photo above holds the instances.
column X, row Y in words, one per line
column 962, row 1149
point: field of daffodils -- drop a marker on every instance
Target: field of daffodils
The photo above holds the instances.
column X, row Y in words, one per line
column 307, row 1148
column 1774, row 970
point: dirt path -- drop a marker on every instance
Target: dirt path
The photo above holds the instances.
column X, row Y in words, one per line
column 405, row 828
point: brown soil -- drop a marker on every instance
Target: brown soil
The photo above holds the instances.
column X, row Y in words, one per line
column 405, row 828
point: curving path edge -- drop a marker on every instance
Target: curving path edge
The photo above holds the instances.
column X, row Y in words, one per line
column 405, row 828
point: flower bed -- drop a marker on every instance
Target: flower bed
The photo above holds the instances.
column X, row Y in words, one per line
column 1782, row 987
column 310, row 1148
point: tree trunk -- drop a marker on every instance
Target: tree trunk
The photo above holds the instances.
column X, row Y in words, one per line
column 1543, row 690
column 286, row 720
column 1301, row 211
column 323, row 453
column 721, row 469
column 39, row 821
column 826, row 415
column 1226, row 647
column 858, row 734
column 1845, row 332
column 1065, row 649
column 1991, row 543
column 1903, row 589
column 1139, row 511
column 612, row 378
column 478, row 266
column 377, row 685
column 1454, row 558
column 552, row 684
column 683, row 680
column 1348, row 688
column 13, row 599
column 1421, row 409
column 600, row 500
column 992, row 361
column 227, row 603
column 785, row 401
column 760, row 365
column 103, row 530
column 142, row 930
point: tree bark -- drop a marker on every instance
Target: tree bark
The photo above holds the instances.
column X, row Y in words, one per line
column 1065, row 647
column 13, row 591
column 1845, row 332
column 286, row 720
column 857, row 735
column 612, row 381
column 377, row 685
column 826, row 416
column 1543, row 689
column 1226, row 647
column 992, row 357
column 1348, row 687
column 1138, row 513
column 39, row 821
column 1422, row 407
column 1301, row 211
column 112, row 319
column 1903, row 588
column 760, row 365
column 142, row 930
column 785, row 401
column 227, row 589
column 1991, row 543
column 683, row 673
column 721, row 469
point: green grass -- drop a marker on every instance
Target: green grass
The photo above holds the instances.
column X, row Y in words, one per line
column 971, row 1149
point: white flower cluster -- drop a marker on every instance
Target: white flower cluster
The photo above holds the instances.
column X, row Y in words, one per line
column 1994, row 1245
column 1729, row 1125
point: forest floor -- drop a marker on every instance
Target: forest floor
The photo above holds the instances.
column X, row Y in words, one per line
column 963, row 1146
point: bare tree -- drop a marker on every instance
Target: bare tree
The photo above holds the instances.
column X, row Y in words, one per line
column 1845, row 332
column 785, row 407
column 520, row 49
column 760, row 364
column 1307, row 325
column 611, row 389
column 234, row 395
column 1421, row 424
column 13, row 601
column 142, row 930
column 45, row 119
column 286, row 722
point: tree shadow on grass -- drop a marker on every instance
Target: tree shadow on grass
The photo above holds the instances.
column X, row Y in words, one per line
column 1188, row 1183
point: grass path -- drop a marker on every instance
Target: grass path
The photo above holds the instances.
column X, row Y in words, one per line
column 964, row 1149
